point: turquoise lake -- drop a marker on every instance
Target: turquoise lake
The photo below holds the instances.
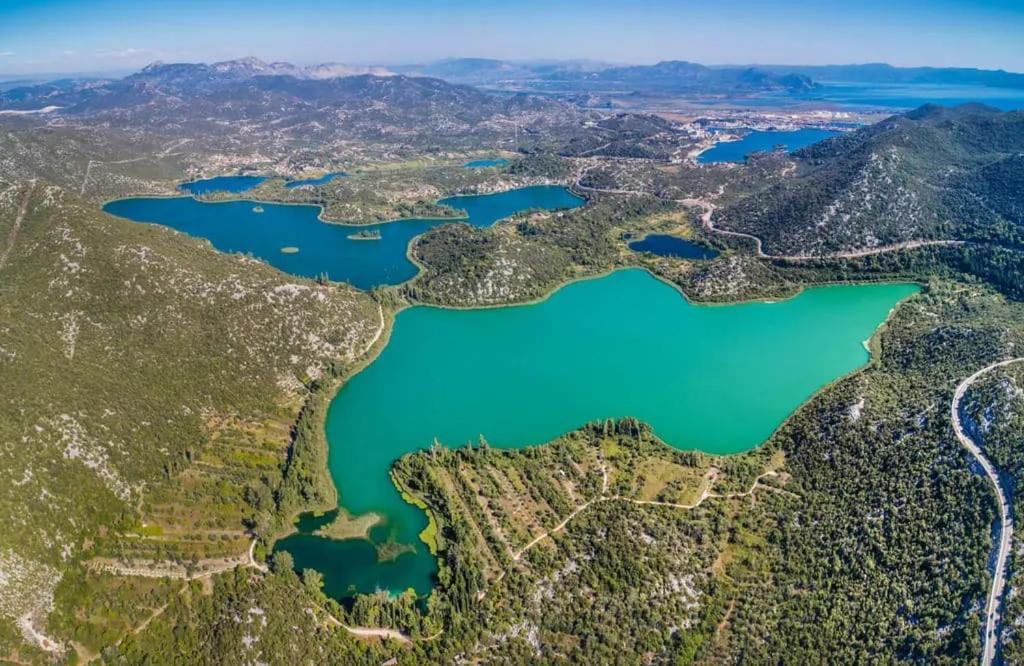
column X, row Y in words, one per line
column 758, row 140
column 715, row 378
column 482, row 164
column 236, row 226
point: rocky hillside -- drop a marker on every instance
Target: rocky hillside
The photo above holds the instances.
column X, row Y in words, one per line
column 124, row 350
column 933, row 173
column 252, row 97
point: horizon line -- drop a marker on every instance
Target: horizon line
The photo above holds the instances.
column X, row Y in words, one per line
column 127, row 71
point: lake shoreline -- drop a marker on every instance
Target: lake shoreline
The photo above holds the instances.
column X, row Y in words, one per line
column 390, row 316
column 274, row 202
column 329, row 249
column 871, row 360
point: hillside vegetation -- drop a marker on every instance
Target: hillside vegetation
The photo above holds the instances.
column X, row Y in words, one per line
column 147, row 381
column 162, row 419
column 858, row 530
column 934, row 173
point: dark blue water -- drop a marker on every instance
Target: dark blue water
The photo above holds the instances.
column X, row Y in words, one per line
column 309, row 522
column 480, row 164
column 672, row 246
column 757, row 140
column 234, row 226
column 322, row 180
column 222, row 184
column 486, row 209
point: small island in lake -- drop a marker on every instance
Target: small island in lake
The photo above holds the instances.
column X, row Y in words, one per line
column 257, row 209
column 289, row 250
column 368, row 234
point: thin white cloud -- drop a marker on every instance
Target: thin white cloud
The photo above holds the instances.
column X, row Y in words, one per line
column 6, row 54
column 123, row 53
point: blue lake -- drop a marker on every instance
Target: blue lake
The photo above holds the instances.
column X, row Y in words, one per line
column 323, row 248
column 664, row 245
column 758, row 140
column 222, row 184
column 480, row 164
column 322, row 180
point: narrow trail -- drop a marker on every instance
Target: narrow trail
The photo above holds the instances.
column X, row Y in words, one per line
column 250, row 562
column 140, row 627
column 705, row 495
column 380, row 331
column 557, row 528
column 85, row 178
column 173, row 571
column 373, row 632
column 247, row 559
column 708, row 209
column 89, row 165
column 172, row 146
column 992, row 614
column 262, row 568
column 157, row 612
column 12, row 235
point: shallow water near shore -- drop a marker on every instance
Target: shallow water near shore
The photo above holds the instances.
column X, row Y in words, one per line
column 319, row 248
column 715, row 378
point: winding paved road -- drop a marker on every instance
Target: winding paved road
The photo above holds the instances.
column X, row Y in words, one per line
column 992, row 615
column 708, row 208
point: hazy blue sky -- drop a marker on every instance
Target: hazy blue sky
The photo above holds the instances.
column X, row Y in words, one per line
column 98, row 35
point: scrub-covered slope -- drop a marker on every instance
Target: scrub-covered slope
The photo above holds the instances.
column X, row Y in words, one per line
column 124, row 350
column 933, row 173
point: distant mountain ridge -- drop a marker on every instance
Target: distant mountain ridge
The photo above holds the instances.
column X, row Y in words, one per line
column 884, row 73
column 669, row 75
column 681, row 75
column 248, row 67
column 678, row 75
column 249, row 83
column 180, row 79
column 279, row 101
column 571, row 76
column 476, row 71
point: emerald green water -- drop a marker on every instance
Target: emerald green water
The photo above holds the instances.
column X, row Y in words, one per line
column 715, row 378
